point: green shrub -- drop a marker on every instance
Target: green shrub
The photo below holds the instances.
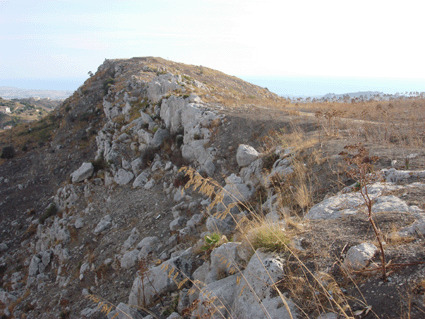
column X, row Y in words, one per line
column 211, row 241
column 99, row 164
column 50, row 211
column 8, row 152
column 107, row 84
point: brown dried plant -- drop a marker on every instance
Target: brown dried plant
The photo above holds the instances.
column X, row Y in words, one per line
column 360, row 168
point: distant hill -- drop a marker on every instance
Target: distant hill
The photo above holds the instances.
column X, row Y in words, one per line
column 15, row 111
column 8, row 92
column 364, row 94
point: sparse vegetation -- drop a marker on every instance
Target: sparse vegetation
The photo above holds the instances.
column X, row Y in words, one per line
column 360, row 168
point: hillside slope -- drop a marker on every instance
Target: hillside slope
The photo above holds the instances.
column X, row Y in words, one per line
column 98, row 219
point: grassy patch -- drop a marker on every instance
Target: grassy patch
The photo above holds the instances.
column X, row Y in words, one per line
column 268, row 236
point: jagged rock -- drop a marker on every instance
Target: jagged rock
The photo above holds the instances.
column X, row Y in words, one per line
column 58, row 231
column 201, row 273
column 271, row 204
column 195, row 220
column 253, row 172
column 143, row 294
column 195, row 151
column 137, row 166
column 149, row 184
column 125, row 164
column 262, row 272
column 224, row 226
column 171, row 110
column 129, row 259
column 79, row 223
column 225, row 260
column 134, row 236
column 245, row 155
column 168, row 166
column 174, row 315
column 156, row 166
column 85, row 171
column 37, row 266
column 104, row 224
column 234, row 191
column 141, row 180
column 83, row 269
column 123, row 177
column 358, row 257
column 159, row 137
column 416, row 229
column 208, row 168
column 66, row 197
column 179, row 195
column 88, row 312
column 33, row 269
column 394, row 176
column 347, row 204
column 177, row 223
column 45, row 258
column 161, row 85
column 144, row 137
column 123, row 311
column 221, row 295
column 7, row 298
column 280, row 169
column 390, row 204
column 146, row 246
column 238, row 190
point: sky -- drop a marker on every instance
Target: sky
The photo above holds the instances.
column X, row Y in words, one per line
column 54, row 43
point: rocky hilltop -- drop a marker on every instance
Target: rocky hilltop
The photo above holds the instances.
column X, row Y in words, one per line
column 164, row 190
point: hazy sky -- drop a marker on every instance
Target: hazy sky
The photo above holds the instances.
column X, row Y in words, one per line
column 64, row 39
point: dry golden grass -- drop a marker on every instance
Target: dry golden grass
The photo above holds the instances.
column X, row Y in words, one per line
column 399, row 122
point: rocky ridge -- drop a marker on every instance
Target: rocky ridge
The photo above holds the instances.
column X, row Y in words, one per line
column 121, row 227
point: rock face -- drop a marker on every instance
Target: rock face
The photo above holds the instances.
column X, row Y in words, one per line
column 254, row 296
column 160, row 279
column 85, row 171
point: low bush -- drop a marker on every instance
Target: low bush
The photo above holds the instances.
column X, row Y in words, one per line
column 8, row 152
column 50, row 211
column 99, row 164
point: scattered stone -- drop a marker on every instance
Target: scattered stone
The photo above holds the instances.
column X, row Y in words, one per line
column 79, row 223
column 141, row 180
column 129, row 259
column 358, row 257
column 123, row 177
column 104, row 224
column 85, row 171
column 245, row 155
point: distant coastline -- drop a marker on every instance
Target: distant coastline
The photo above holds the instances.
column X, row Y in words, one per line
column 288, row 86
column 8, row 92
column 298, row 86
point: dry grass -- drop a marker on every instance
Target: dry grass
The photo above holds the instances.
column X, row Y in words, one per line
column 314, row 293
column 399, row 122
column 271, row 236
